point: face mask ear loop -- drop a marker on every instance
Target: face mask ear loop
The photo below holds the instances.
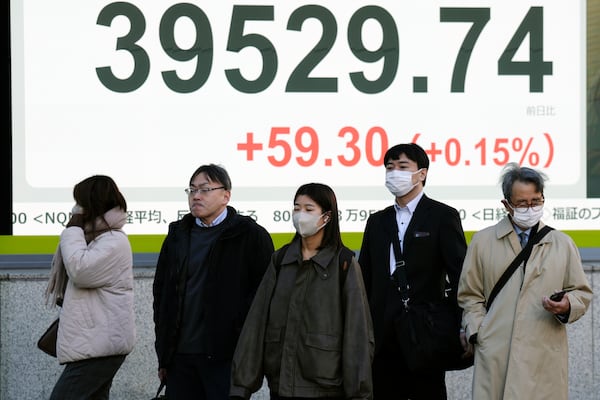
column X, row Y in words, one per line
column 322, row 226
column 418, row 171
column 324, row 222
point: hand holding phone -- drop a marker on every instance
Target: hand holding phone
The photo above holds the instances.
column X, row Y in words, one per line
column 558, row 295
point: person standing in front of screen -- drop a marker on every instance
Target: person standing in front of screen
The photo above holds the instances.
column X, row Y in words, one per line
column 433, row 247
column 92, row 277
column 521, row 349
column 209, row 266
column 309, row 330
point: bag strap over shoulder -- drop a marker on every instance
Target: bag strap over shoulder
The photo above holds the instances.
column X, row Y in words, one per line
column 522, row 256
column 345, row 260
column 399, row 273
column 279, row 257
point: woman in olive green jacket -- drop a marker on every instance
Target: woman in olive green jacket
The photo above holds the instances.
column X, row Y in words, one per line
column 309, row 329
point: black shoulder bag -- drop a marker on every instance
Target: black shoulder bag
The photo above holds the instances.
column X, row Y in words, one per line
column 428, row 333
column 523, row 256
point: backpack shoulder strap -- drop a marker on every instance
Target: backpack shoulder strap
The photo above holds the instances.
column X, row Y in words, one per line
column 345, row 259
column 279, row 257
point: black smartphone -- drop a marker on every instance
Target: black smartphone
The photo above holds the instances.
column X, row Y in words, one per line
column 558, row 295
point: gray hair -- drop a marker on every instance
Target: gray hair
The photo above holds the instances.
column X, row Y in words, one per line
column 512, row 173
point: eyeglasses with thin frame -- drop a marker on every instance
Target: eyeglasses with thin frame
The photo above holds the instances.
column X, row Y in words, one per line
column 523, row 206
column 191, row 191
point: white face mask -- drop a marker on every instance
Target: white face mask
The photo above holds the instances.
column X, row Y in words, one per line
column 306, row 224
column 399, row 182
column 528, row 218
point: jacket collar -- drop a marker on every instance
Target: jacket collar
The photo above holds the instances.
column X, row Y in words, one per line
column 293, row 254
column 505, row 227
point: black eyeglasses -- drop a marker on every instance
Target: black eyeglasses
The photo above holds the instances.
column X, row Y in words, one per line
column 523, row 206
column 190, row 191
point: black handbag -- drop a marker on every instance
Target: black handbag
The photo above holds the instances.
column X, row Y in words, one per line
column 429, row 337
column 47, row 342
column 429, row 332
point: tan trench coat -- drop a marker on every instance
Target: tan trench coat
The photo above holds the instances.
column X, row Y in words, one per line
column 521, row 350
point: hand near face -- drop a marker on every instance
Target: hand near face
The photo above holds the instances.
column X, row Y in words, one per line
column 76, row 220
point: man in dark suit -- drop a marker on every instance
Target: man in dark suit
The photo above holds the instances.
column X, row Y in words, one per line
column 433, row 247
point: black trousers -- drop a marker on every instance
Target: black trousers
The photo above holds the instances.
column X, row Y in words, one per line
column 89, row 379
column 391, row 377
column 391, row 380
column 197, row 377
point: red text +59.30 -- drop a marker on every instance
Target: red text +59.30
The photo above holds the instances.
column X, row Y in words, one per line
column 285, row 146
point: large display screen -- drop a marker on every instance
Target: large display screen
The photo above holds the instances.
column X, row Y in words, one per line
column 288, row 92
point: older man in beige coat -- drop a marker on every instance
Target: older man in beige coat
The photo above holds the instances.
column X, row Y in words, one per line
column 520, row 343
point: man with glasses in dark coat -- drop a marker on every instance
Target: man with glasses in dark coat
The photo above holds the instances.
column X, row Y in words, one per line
column 208, row 270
